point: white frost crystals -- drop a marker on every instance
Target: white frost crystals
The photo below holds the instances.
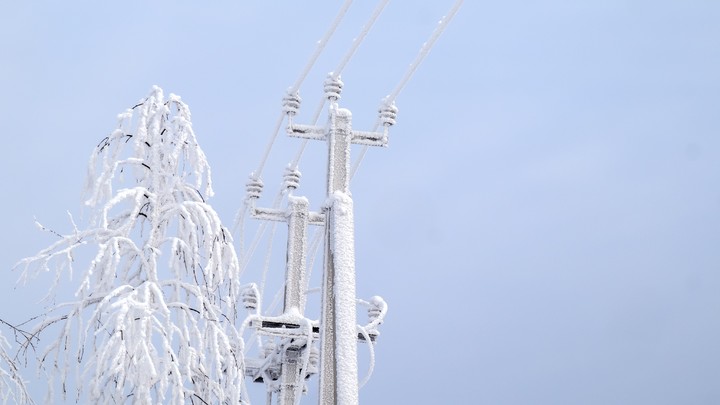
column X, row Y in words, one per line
column 12, row 386
column 153, row 318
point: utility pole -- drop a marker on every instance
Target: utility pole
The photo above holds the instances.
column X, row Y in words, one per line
column 285, row 367
column 338, row 338
column 291, row 373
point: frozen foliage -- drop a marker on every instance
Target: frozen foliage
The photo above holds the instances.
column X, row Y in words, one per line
column 12, row 386
column 152, row 320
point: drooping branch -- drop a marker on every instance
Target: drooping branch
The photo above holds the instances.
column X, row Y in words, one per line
column 12, row 385
column 157, row 330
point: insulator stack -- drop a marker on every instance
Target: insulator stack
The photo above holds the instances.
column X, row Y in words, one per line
column 250, row 297
column 291, row 178
column 333, row 87
column 254, row 187
column 291, row 103
column 388, row 114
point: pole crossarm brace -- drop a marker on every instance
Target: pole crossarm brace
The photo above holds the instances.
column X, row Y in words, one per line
column 278, row 215
column 320, row 133
column 282, row 327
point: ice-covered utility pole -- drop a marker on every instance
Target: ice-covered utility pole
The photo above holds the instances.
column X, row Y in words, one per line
column 338, row 337
column 292, row 362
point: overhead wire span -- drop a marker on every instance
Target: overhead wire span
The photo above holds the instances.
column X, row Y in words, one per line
column 296, row 86
column 340, row 67
column 313, row 250
column 266, row 264
column 257, row 174
column 358, row 40
column 424, row 51
column 256, row 240
column 321, row 46
column 318, row 111
column 315, row 244
column 335, row 74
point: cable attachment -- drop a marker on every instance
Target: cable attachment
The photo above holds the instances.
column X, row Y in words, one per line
column 250, row 296
column 376, row 309
column 291, row 178
column 333, row 87
column 388, row 113
column 254, row 187
column 291, row 103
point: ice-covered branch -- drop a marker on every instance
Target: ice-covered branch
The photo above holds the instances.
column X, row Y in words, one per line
column 157, row 330
column 12, row 385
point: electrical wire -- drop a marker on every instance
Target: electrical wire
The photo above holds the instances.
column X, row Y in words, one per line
column 358, row 40
column 340, row 67
column 295, row 87
column 422, row 54
column 425, row 50
column 343, row 63
column 257, row 174
column 321, row 46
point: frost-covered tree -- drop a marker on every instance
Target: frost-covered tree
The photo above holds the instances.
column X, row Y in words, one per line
column 153, row 316
column 12, row 385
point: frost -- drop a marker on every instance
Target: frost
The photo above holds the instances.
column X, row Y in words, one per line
column 343, row 251
column 12, row 386
column 153, row 315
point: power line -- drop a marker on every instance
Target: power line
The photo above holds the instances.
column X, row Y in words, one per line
column 339, row 318
column 424, row 51
column 257, row 174
column 321, row 46
column 295, row 87
column 340, row 67
column 358, row 40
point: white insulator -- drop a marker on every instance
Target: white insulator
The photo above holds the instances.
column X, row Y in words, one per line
column 333, row 87
column 291, row 103
column 377, row 304
column 291, row 178
column 254, row 187
column 388, row 114
column 250, row 297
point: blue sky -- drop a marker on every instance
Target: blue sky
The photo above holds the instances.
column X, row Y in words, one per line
column 543, row 226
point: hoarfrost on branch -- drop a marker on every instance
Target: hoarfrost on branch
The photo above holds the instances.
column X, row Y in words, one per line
column 153, row 315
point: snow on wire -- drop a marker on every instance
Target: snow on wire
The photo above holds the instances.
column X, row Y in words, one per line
column 142, row 327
